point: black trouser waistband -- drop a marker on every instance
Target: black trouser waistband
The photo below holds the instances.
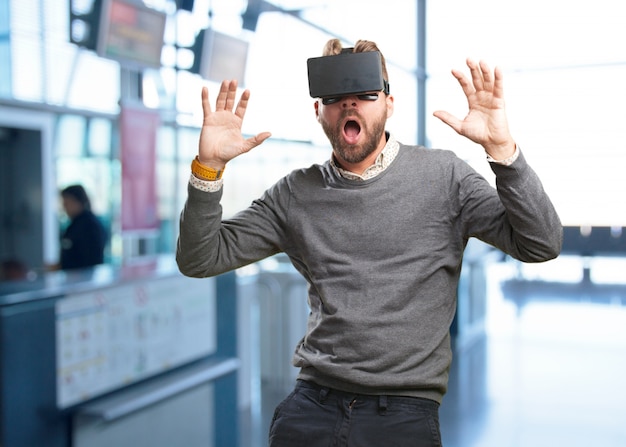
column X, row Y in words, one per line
column 383, row 400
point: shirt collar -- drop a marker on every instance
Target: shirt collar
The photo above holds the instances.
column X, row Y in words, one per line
column 384, row 159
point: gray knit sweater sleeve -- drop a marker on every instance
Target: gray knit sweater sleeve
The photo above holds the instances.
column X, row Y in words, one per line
column 208, row 246
column 520, row 219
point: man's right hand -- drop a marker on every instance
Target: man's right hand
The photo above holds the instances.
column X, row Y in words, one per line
column 221, row 139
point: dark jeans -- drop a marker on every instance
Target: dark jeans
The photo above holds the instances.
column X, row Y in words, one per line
column 314, row 416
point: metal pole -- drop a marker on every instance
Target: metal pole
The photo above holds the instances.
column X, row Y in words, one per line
column 421, row 72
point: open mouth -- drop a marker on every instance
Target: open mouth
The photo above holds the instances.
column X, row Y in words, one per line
column 351, row 131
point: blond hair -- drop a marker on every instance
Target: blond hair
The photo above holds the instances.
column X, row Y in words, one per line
column 333, row 47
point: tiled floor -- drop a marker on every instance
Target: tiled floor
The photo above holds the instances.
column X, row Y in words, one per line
column 551, row 370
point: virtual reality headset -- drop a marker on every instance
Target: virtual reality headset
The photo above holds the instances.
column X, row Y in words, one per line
column 346, row 74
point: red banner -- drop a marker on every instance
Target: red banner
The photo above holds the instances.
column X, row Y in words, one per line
column 138, row 133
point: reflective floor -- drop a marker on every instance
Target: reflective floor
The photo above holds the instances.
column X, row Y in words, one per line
column 550, row 371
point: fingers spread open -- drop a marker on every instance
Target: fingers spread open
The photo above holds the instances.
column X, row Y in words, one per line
column 486, row 76
column 467, row 86
column 449, row 119
column 206, row 106
column 242, row 105
column 498, row 85
column 232, row 94
column 257, row 139
column 477, row 75
column 220, row 104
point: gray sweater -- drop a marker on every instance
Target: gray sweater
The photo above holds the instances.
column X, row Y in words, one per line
column 382, row 258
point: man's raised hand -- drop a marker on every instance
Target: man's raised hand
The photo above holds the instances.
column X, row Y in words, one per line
column 221, row 139
column 486, row 122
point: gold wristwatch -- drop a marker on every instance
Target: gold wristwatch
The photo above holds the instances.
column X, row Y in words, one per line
column 204, row 172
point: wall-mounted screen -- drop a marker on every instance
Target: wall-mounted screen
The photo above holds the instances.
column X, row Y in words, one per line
column 220, row 56
column 131, row 33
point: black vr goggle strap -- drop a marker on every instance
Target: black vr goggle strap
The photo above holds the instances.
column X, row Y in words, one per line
column 385, row 87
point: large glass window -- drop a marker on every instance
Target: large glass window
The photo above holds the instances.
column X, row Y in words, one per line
column 5, row 50
column 564, row 87
column 83, row 155
column 43, row 66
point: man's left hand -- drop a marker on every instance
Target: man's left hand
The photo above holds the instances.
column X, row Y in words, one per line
column 486, row 122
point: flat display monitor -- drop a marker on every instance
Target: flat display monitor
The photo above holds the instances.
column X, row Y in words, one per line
column 131, row 33
column 220, row 56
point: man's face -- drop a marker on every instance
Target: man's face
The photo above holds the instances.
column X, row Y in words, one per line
column 355, row 125
column 71, row 206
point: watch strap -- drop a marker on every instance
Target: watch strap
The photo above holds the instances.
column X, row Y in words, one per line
column 204, row 172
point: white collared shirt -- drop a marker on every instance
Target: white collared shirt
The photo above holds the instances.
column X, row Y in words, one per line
column 384, row 159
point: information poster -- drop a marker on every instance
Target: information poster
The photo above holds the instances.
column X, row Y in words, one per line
column 113, row 337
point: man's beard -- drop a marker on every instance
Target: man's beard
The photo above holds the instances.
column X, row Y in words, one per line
column 355, row 153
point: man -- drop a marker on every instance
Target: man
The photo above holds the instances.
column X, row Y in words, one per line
column 378, row 232
column 84, row 240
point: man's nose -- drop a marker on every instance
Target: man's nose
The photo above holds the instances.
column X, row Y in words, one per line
column 348, row 101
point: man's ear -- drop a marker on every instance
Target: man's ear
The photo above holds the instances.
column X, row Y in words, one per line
column 389, row 102
column 316, row 104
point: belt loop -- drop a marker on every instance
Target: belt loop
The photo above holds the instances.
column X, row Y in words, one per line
column 323, row 394
column 382, row 405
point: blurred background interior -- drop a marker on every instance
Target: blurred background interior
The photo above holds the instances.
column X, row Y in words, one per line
column 106, row 93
